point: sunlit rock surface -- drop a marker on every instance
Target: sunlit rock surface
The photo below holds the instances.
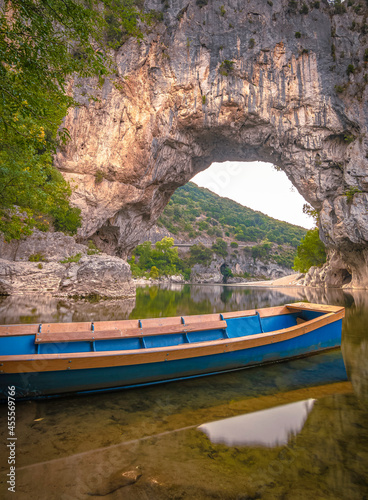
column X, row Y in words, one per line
column 227, row 81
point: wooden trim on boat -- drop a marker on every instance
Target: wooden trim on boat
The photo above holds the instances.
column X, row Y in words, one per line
column 306, row 306
column 43, row 338
column 105, row 359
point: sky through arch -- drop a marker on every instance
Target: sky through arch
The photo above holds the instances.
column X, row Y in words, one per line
column 259, row 186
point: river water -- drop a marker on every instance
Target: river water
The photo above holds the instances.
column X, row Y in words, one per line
column 295, row 430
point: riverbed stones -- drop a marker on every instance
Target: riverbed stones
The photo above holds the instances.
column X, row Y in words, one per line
column 117, row 481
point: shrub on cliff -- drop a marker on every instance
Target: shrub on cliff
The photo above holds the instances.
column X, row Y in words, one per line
column 199, row 254
column 262, row 251
column 310, row 252
column 220, row 247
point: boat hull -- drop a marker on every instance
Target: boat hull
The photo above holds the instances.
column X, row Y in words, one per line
column 46, row 383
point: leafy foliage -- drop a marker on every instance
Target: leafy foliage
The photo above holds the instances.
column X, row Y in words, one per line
column 311, row 252
column 220, row 247
column 162, row 259
column 36, row 257
column 226, row 272
column 262, row 251
column 351, row 192
column 92, row 249
column 154, row 272
column 199, row 254
column 43, row 43
column 312, row 212
column 350, row 69
column 74, row 258
column 226, row 67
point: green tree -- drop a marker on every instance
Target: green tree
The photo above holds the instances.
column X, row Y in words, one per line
column 310, row 252
column 312, row 212
column 43, row 43
column 154, row 273
column 220, row 247
column 165, row 256
column 199, row 254
column 262, row 251
column 144, row 252
column 226, row 272
column 137, row 272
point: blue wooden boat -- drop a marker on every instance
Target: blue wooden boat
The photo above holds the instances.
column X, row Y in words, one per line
column 60, row 358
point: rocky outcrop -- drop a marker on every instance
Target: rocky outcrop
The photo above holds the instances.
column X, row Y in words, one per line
column 240, row 266
column 101, row 275
column 53, row 263
column 332, row 274
column 219, row 81
column 50, row 247
column 29, row 277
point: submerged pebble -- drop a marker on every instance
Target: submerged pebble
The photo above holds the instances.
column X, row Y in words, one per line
column 116, row 481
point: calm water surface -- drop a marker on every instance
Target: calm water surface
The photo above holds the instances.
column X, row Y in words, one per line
column 296, row 430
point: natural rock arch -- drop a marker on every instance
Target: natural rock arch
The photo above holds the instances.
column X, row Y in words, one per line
column 230, row 80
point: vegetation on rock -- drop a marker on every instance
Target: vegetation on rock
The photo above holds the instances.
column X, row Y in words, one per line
column 311, row 252
column 42, row 44
column 74, row 258
column 193, row 210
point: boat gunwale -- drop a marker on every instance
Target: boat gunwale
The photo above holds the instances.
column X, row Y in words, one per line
column 105, row 359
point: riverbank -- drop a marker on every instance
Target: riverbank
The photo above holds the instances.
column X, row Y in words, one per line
column 286, row 281
column 291, row 280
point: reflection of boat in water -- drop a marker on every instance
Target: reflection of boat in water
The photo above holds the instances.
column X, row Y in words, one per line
column 272, row 427
column 263, row 421
column 54, row 359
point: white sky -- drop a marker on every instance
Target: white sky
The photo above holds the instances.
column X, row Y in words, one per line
column 259, row 186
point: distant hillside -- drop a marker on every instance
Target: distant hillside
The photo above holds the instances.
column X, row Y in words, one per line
column 194, row 211
column 217, row 240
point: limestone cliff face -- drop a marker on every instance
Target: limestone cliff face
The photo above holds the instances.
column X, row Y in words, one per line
column 230, row 80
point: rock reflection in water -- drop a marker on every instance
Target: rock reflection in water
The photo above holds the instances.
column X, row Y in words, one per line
column 44, row 309
column 272, row 427
column 355, row 346
column 162, row 301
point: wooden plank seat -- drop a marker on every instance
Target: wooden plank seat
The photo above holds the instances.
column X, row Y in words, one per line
column 91, row 336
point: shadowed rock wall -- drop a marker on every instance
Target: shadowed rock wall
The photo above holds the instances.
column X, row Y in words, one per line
column 230, row 80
